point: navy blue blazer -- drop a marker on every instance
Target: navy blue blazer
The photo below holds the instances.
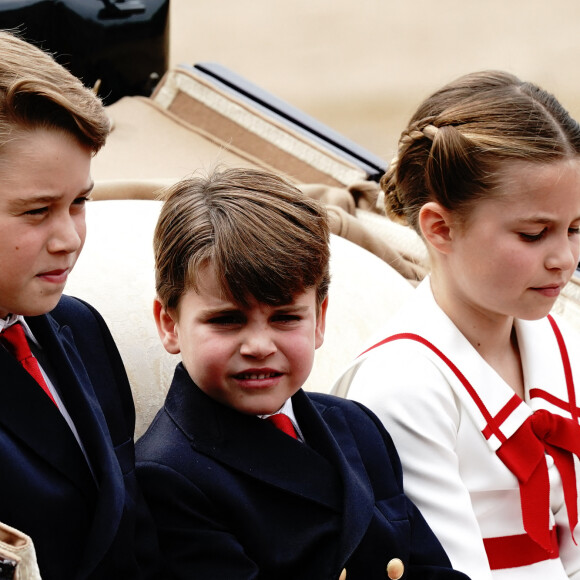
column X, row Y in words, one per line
column 86, row 523
column 235, row 498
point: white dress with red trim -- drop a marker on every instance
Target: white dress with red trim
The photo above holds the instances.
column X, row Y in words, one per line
column 495, row 476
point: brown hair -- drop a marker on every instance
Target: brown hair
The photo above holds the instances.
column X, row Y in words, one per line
column 455, row 143
column 37, row 92
column 264, row 238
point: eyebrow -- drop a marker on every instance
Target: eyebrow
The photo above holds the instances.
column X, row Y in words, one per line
column 22, row 203
column 224, row 308
column 542, row 220
column 292, row 307
column 232, row 308
column 219, row 310
column 536, row 220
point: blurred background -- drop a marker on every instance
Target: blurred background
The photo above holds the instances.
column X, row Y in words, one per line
column 362, row 66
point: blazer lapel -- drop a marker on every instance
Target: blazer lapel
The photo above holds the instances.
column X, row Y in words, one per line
column 251, row 445
column 328, row 430
column 26, row 411
column 81, row 402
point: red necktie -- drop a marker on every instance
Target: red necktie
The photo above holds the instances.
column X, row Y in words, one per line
column 15, row 341
column 283, row 423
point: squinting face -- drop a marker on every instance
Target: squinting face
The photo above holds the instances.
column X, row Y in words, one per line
column 249, row 358
column 44, row 183
column 518, row 250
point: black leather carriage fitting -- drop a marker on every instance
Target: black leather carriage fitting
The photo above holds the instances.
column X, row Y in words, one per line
column 118, row 47
column 260, row 99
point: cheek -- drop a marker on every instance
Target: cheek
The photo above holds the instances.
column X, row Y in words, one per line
column 300, row 351
column 20, row 252
column 510, row 267
column 204, row 358
column 576, row 249
column 504, row 255
column 512, row 261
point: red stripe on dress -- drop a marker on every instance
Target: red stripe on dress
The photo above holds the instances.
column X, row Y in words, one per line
column 515, row 551
column 504, row 413
column 541, row 394
column 492, row 426
column 572, row 408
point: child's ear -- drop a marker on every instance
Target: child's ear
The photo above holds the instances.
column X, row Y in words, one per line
column 166, row 327
column 436, row 226
column 321, row 324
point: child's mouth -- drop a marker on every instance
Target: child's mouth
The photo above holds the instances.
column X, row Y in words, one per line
column 257, row 376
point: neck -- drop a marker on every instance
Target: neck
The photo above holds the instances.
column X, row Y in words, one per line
column 493, row 337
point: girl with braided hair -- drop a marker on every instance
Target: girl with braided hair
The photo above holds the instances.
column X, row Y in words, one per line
column 476, row 381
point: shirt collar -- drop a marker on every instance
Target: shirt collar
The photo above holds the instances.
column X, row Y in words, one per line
column 288, row 410
column 10, row 320
column 13, row 319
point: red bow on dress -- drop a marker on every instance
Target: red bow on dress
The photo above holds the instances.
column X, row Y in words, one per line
column 524, row 455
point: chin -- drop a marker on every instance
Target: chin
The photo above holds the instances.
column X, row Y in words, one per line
column 43, row 307
column 259, row 408
column 535, row 315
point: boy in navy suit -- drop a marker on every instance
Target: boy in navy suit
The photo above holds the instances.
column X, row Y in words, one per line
column 66, row 414
column 242, row 278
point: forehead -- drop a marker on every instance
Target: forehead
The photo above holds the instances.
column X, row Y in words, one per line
column 207, row 282
column 522, row 178
column 60, row 165
column 526, row 190
column 208, row 293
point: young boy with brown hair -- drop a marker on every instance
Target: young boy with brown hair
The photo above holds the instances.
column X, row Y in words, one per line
column 242, row 275
column 66, row 413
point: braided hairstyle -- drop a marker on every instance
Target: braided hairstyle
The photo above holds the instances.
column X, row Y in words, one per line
column 455, row 142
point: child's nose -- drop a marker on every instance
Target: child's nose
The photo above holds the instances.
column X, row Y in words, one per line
column 258, row 345
column 67, row 235
column 564, row 255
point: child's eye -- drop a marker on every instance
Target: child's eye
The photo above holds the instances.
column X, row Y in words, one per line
column 226, row 320
column 37, row 211
column 573, row 231
column 81, row 200
column 286, row 318
column 532, row 237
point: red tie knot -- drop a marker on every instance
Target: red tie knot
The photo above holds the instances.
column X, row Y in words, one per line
column 543, row 423
column 283, row 422
column 553, row 429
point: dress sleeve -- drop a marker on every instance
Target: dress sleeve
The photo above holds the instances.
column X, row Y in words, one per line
column 416, row 405
column 569, row 552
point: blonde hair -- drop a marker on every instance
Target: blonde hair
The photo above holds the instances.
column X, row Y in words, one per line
column 37, row 92
column 457, row 139
column 263, row 237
